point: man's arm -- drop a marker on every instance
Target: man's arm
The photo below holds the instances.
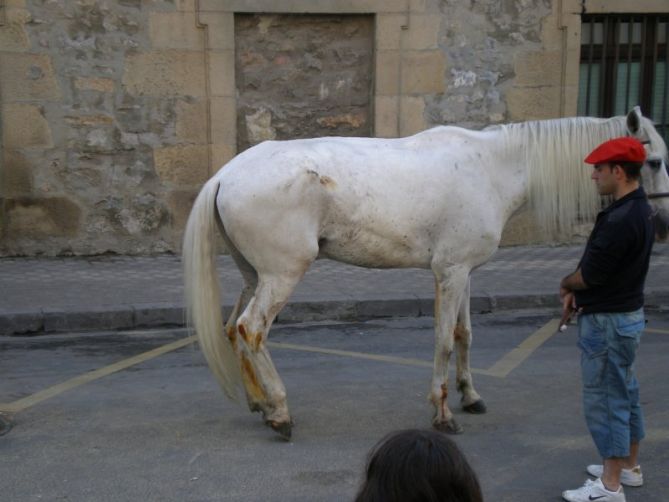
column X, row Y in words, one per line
column 573, row 282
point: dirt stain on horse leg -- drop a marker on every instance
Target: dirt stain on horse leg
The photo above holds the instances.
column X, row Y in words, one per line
column 444, row 398
column 253, row 387
column 232, row 336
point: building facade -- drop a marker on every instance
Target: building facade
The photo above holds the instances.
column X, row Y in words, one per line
column 114, row 113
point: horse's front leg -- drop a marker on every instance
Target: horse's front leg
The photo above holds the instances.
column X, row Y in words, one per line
column 471, row 401
column 450, row 286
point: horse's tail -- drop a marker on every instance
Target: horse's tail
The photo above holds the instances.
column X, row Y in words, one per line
column 202, row 290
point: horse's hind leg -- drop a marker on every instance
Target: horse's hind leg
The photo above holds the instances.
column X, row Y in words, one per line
column 250, row 277
column 471, row 401
column 263, row 384
column 233, row 336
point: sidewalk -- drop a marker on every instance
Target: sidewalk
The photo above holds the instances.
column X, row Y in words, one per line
column 40, row 295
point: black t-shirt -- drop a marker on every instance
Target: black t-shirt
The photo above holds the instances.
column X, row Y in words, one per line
column 615, row 261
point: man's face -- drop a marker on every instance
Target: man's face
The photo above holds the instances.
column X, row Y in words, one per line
column 606, row 179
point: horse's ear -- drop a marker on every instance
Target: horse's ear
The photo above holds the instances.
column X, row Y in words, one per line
column 634, row 120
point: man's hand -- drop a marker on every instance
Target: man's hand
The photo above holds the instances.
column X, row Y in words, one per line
column 568, row 308
column 568, row 303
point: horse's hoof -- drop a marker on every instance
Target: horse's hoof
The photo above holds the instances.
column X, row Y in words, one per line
column 477, row 407
column 449, row 427
column 283, row 428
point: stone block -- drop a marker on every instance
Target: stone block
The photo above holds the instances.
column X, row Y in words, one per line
column 375, row 309
column 191, row 121
column 306, row 6
column 412, row 115
column 34, row 217
column 386, row 116
column 175, row 30
column 318, row 311
column 180, row 203
column 387, row 79
column 13, row 34
column 27, row 77
column 153, row 315
column 222, row 73
column 24, row 126
column 613, row 6
column 98, row 84
column 389, row 31
column 570, row 100
column 423, row 72
column 539, row 68
column 423, row 32
column 182, row 165
column 420, row 6
column 533, row 103
column 220, row 29
column 521, row 229
column 164, row 73
column 18, row 176
column 14, row 323
column 108, row 318
column 89, row 121
column 552, row 34
column 221, row 154
column 224, row 121
column 185, row 5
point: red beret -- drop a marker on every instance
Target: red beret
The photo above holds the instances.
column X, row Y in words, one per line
column 617, row 150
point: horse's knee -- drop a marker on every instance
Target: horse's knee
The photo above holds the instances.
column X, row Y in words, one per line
column 462, row 336
column 253, row 338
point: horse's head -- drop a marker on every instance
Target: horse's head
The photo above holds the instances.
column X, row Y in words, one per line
column 655, row 171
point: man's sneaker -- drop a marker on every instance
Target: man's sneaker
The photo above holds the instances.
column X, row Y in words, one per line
column 628, row 477
column 594, row 491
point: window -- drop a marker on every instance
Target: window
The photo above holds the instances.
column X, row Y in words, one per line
column 624, row 62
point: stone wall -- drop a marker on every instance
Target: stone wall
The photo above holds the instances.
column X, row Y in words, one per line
column 303, row 76
column 114, row 113
column 104, row 139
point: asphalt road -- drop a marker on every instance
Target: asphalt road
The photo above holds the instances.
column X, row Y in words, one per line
column 158, row 428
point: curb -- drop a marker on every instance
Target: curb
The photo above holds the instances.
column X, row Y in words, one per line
column 145, row 316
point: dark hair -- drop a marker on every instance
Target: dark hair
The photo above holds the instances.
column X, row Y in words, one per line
column 418, row 466
column 632, row 169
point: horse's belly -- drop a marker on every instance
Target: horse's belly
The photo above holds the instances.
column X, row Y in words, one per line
column 369, row 249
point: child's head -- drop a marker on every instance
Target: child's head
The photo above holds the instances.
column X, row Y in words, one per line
column 416, row 465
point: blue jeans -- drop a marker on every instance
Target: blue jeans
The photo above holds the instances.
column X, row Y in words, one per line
column 608, row 344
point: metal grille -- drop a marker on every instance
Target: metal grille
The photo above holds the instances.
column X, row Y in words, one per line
column 624, row 63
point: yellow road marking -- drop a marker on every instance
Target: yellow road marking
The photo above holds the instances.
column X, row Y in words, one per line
column 657, row 330
column 347, row 353
column 406, row 361
column 514, row 358
column 500, row 369
column 50, row 392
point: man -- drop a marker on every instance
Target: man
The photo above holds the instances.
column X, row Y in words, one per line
column 607, row 290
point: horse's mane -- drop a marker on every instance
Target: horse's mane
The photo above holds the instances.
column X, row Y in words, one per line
column 561, row 193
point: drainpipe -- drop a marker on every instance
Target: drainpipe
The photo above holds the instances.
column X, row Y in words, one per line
column 563, row 72
column 207, row 86
column 404, row 27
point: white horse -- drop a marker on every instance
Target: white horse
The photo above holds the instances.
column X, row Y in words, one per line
column 437, row 200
